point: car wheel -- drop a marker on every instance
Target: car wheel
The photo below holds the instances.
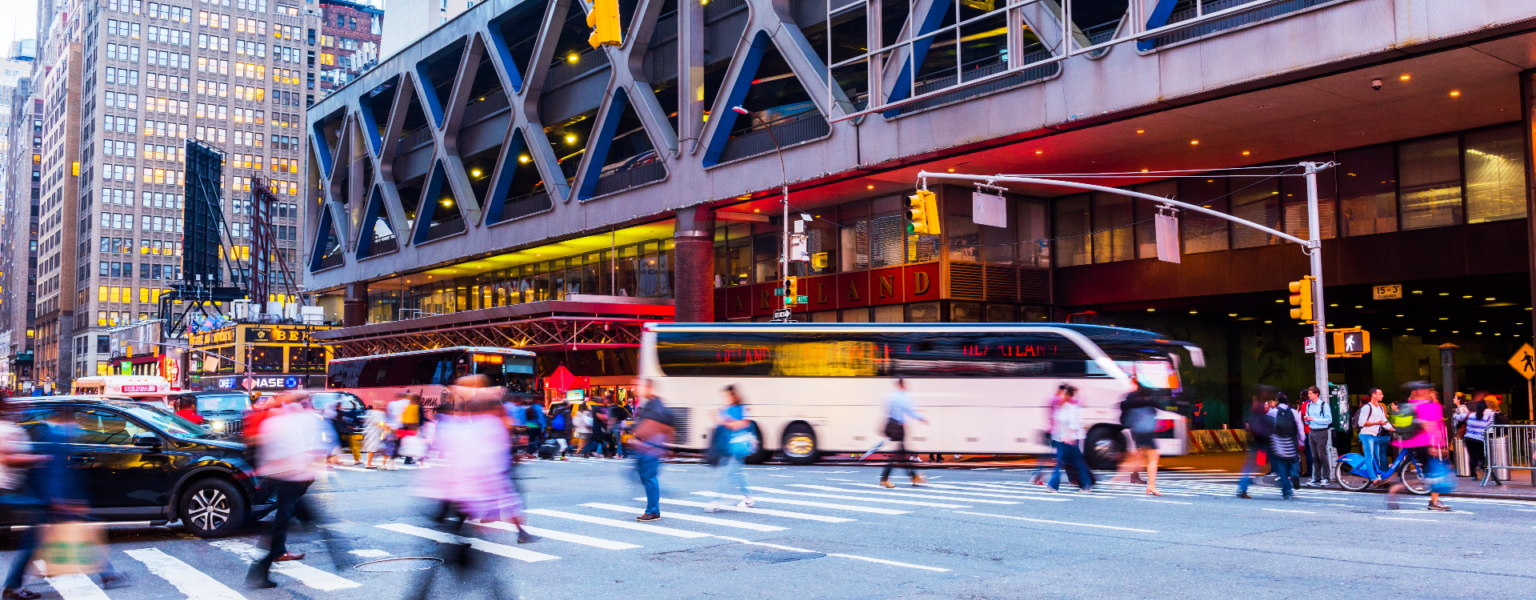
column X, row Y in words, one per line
column 799, row 445
column 212, row 508
column 1104, row 447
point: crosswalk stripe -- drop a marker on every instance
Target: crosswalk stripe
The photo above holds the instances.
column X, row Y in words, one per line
column 1057, row 522
column 305, row 574
column 960, row 491
column 478, row 544
column 192, row 582
column 682, row 533
column 859, row 498
column 563, row 536
column 760, row 511
column 72, row 587
column 889, row 562
column 867, row 509
column 901, row 494
column 685, row 517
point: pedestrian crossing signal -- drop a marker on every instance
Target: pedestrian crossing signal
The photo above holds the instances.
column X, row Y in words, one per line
column 1349, row 343
column 923, row 213
column 1301, row 298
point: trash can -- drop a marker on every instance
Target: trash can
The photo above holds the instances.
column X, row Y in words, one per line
column 1463, row 462
column 1498, row 454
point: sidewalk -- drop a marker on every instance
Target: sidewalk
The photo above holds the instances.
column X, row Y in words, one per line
column 1466, row 487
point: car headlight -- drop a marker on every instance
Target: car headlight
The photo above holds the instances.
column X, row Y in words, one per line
column 219, row 426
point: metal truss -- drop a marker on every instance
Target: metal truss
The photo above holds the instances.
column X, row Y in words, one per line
column 543, row 334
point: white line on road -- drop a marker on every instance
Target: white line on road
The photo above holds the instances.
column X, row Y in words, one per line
column 866, row 509
column 1162, row 501
column 370, row 553
column 761, row 511
column 561, row 536
column 1305, row 512
column 682, row 533
column 1058, row 522
column 481, row 545
column 635, row 510
column 903, row 494
column 784, row 476
column 776, row 546
column 196, row 584
column 859, row 498
column 309, row 576
column 889, row 562
column 1407, row 519
column 72, row 587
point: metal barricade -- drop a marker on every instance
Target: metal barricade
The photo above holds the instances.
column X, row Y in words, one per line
column 1510, row 448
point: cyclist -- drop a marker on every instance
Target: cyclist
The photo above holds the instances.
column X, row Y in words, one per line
column 1423, row 439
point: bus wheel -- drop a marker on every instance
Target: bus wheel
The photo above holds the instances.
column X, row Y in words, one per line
column 799, row 445
column 1104, row 447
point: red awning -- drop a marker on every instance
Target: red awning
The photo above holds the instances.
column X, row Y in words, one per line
column 562, row 380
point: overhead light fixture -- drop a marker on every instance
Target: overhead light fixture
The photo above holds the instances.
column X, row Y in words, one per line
column 1231, row 314
column 1194, row 312
column 1333, row 306
column 1039, row 152
column 1268, row 322
column 1466, row 297
column 1488, row 299
column 1151, row 310
column 951, row 169
column 1139, row 131
column 870, row 186
column 572, row 57
column 1403, row 77
column 1445, row 293
column 1454, row 94
column 1245, row 153
column 523, row 159
column 474, row 173
column 1143, row 170
column 570, row 139
column 1194, row 142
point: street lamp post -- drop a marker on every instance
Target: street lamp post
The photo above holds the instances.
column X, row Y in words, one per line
column 784, row 195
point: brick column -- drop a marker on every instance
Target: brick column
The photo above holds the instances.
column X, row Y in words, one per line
column 694, row 275
column 354, row 307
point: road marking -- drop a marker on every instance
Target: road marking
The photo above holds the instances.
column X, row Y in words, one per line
column 867, row 509
column 635, row 510
column 889, row 562
column 192, row 582
column 1162, row 501
column 370, row 553
column 478, row 544
column 561, row 536
column 635, row 525
column 1058, row 522
column 906, row 494
column 1305, row 512
column 860, row 498
column 784, row 476
column 1040, row 495
column 309, row 576
column 72, row 587
column 789, row 548
column 1407, row 519
column 358, row 469
column 761, row 511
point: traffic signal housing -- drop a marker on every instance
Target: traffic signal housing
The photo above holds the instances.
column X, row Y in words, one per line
column 1301, row 298
column 923, row 213
column 604, row 21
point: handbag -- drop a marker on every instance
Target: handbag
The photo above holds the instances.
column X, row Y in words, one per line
column 742, row 442
column 895, row 430
column 72, row 548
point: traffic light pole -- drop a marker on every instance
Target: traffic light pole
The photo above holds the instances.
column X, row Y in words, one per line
column 1313, row 247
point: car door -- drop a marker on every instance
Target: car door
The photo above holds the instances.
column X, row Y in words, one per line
column 116, row 473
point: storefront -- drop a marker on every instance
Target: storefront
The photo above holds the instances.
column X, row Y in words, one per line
column 276, row 357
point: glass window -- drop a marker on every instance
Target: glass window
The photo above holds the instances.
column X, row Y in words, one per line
column 1113, row 238
column 266, row 359
column 739, row 254
column 105, row 428
column 1146, row 213
column 1367, row 184
column 1204, row 233
column 960, row 227
column 854, row 245
column 1257, row 200
column 1293, row 202
column 1072, row 227
column 888, row 232
column 1431, row 182
column 1495, row 168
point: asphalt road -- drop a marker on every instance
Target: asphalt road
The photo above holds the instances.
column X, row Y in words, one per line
column 828, row 532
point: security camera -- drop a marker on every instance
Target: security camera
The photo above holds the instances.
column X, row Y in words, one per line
column 1376, row 84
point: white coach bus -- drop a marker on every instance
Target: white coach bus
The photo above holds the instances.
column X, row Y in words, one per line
column 816, row 388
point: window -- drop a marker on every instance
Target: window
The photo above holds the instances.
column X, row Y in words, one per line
column 1256, row 200
column 100, row 427
column 1072, row 228
column 1431, row 183
column 1113, row 238
column 1204, row 233
column 1495, row 171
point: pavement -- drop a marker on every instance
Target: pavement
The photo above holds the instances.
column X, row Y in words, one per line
column 828, row 531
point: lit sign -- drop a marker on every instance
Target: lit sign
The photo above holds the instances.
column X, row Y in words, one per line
column 261, row 383
column 488, row 358
column 139, row 389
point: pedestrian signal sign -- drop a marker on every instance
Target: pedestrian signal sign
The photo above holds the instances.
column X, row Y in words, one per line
column 1349, row 343
column 1524, row 361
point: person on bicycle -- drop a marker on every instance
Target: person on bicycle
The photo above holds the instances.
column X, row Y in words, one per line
column 1426, row 438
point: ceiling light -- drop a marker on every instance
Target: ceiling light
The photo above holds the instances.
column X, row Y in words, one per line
column 1403, row 77
column 1445, row 318
column 523, row 159
column 1245, row 153
column 1141, row 131
column 1143, row 170
column 1358, row 306
column 474, row 173
column 1418, row 291
column 1433, row 330
column 1479, row 333
column 951, row 169
column 1466, row 297
column 1455, row 93
column 1410, row 329
column 1399, row 316
column 1279, row 301
column 1333, row 305
column 572, row 57
column 1194, row 142
column 1488, row 299
column 570, row 139
column 1151, row 310
column 1483, row 321
column 1039, row 152
column 1268, row 322
column 1456, row 332
column 869, row 187
column 1231, row 314
column 1445, row 293
column 1194, row 312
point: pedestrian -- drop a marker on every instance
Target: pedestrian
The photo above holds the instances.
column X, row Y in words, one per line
column 1260, row 429
column 1138, row 414
column 375, row 430
column 583, row 423
column 559, row 425
column 738, row 439
column 288, row 445
column 24, row 498
column 1479, row 414
column 599, row 437
column 346, row 418
column 1375, row 432
column 186, row 408
column 899, row 409
column 1318, row 416
column 619, row 424
column 1287, row 439
column 1066, row 433
column 654, row 426
column 1424, row 438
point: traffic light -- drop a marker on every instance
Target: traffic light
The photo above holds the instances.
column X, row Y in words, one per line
column 1301, row 298
column 923, row 213
column 604, row 21
column 790, row 290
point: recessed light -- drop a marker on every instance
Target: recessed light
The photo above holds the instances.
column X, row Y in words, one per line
column 869, row 187
column 1455, row 332
column 1194, row 142
column 1466, row 297
column 1445, row 318
column 523, row 159
column 1433, row 330
column 1488, row 299
column 1403, row 77
column 1445, row 293
column 1410, row 329
column 1245, row 153
column 1456, row 93
column 1279, row 301
column 1231, row 314
column 1268, row 322
column 1333, row 305
column 1358, row 306
column 1194, row 312
column 1039, row 152
column 1399, row 316
column 951, row 169
column 1143, row 170
column 1479, row 333
column 1418, row 291
column 1151, row 310
column 1483, row 321
column 1141, row 131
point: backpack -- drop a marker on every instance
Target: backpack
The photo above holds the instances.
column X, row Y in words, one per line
column 531, row 417
column 1285, row 422
column 559, row 422
column 1404, row 420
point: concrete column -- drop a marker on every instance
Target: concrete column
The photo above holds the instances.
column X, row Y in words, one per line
column 354, row 306
column 694, row 275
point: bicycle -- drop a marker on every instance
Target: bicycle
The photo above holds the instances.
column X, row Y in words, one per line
column 1355, row 472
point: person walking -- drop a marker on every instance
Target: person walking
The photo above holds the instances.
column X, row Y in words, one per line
column 583, row 422
column 1479, row 414
column 288, row 445
column 1375, row 431
column 619, row 424
column 738, row 439
column 599, row 416
column 1318, row 416
column 1066, row 433
column 346, row 418
column 1424, row 439
column 1286, row 443
column 899, row 410
column 654, row 426
column 1260, row 429
column 1138, row 414
column 375, row 430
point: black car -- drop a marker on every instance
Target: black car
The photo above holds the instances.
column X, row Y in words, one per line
column 142, row 462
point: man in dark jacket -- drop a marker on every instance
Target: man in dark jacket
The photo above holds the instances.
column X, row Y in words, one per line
column 1257, row 421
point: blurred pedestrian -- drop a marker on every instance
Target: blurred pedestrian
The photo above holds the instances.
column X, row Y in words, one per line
column 1424, row 438
column 1066, row 434
column 1260, row 429
column 1138, row 414
column 39, row 487
column 898, row 410
column 1318, row 415
column 739, row 441
column 600, row 429
column 1286, row 443
column 186, row 408
column 654, row 426
column 619, row 425
column 1375, row 431
column 375, row 430
column 288, row 445
column 346, row 418
column 1475, row 418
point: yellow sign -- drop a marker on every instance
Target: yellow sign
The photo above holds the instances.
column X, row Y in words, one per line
column 1524, row 361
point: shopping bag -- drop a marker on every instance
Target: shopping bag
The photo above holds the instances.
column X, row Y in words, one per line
column 413, row 446
column 72, row 548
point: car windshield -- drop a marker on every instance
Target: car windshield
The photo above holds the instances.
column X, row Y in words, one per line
column 326, row 400
column 223, row 402
column 165, row 421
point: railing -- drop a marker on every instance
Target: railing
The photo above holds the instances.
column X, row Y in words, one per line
column 524, row 205
column 438, row 229
column 381, row 246
column 666, row 27
column 632, row 176
column 475, row 112
column 415, row 139
column 717, row 9
column 802, row 128
column 939, row 83
column 334, row 259
column 1210, row 6
column 1509, row 447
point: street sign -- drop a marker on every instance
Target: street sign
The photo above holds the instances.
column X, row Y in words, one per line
column 1309, row 345
column 248, row 383
column 1387, row 292
column 1524, row 361
column 782, row 313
